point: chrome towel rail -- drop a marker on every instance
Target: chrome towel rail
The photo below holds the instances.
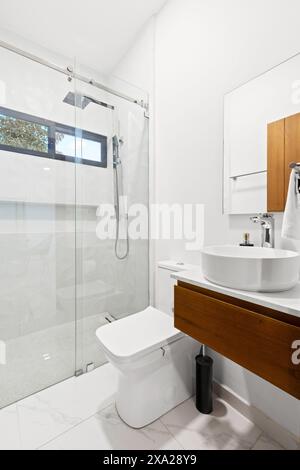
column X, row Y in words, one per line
column 247, row 174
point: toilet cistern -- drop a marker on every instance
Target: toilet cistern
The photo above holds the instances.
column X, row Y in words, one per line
column 267, row 223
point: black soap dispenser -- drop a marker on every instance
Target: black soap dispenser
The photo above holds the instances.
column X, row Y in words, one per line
column 246, row 241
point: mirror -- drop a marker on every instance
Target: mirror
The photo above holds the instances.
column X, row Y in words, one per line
column 261, row 139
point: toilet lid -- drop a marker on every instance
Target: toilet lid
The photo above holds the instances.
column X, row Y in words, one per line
column 138, row 334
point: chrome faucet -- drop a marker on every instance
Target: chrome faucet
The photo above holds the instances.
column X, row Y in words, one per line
column 267, row 223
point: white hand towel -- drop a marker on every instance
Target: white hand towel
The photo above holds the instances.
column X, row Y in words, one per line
column 291, row 219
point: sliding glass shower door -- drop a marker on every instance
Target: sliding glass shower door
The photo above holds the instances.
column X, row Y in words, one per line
column 37, row 229
column 112, row 270
column 68, row 150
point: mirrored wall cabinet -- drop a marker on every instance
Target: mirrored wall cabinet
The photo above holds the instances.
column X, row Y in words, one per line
column 261, row 139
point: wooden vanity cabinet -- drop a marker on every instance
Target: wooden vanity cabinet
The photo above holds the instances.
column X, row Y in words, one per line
column 255, row 337
column 283, row 149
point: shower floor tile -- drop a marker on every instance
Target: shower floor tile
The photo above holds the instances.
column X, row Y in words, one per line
column 45, row 415
column 36, row 361
column 9, row 429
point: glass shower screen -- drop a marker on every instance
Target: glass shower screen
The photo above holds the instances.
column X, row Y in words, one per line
column 37, row 230
column 60, row 278
column 111, row 268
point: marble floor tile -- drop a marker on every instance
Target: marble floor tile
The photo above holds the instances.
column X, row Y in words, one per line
column 266, row 443
column 79, row 413
column 224, row 429
column 9, row 429
column 107, row 431
column 57, row 409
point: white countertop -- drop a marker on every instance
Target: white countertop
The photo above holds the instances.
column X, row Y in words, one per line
column 286, row 302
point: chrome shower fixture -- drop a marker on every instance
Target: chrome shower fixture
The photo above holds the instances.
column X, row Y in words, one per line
column 76, row 100
column 82, row 101
column 118, row 186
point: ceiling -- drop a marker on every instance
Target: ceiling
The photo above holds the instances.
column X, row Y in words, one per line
column 97, row 32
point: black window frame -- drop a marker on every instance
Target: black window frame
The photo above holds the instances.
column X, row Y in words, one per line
column 53, row 128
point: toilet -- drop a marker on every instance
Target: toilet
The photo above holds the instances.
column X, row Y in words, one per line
column 155, row 361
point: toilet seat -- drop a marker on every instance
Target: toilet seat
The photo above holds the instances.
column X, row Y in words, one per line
column 136, row 336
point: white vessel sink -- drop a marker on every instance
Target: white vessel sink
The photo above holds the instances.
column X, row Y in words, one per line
column 251, row 269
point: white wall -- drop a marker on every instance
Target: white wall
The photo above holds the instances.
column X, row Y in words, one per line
column 203, row 49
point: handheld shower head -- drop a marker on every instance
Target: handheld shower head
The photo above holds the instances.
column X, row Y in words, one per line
column 118, row 187
column 115, row 141
column 116, row 151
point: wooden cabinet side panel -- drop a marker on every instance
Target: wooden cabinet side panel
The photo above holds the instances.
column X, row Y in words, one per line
column 276, row 166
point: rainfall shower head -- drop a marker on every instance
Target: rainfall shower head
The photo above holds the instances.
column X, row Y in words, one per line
column 76, row 100
column 82, row 101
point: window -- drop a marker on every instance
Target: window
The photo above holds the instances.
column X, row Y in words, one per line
column 23, row 133
column 81, row 146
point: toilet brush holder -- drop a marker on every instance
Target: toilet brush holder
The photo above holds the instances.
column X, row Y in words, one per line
column 204, row 384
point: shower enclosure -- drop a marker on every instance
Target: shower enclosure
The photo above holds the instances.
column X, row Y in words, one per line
column 69, row 149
